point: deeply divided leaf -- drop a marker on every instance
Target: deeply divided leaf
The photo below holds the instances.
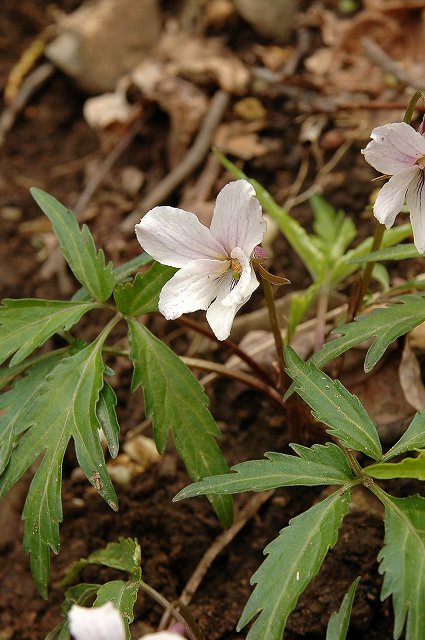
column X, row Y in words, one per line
column 322, row 464
column 26, row 324
column 65, row 408
column 77, row 245
column 335, row 406
column 293, row 559
column 175, row 400
column 385, row 325
column 403, row 563
column 15, row 404
column 141, row 295
column 123, row 595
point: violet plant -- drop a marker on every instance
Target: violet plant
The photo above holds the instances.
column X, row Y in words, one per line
column 53, row 397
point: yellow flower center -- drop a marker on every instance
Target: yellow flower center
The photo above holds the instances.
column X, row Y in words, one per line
column 421, row 162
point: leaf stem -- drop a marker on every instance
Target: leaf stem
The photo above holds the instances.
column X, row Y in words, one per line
column 193, row 631
column 232, row 346
column 408, row 115
column 277, row 332
column 360, row 290
column 322, row 309
column 245, row 378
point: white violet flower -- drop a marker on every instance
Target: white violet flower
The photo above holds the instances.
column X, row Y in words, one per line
column 399, row 151
column 105, row 623
column 215, row 271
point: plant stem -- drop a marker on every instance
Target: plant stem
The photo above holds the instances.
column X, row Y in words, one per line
column 411, row 106
column 232, row 346
column 194, row 632
column 277, row 332
column 367, row 272
column 245, row 378
column 322, row 308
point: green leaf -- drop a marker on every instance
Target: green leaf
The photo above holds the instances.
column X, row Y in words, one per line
column 347, row 263
column 412, row 438
column 78, row 248
column 334, row 230
column 293, row 559
column 407, row 468
column 175, row 400
column 125, row 270
column 335, row 406
column 322, row 464
column 26, row 324
column 64, row 408
column 122, row 273
column 123, row 555
column 298, row 238
column 381, row 275
column 399, row 252
column 108, row 418
column 338, row 622
column 385, row 325
column 403, row 563
column 15, row 404
column 123, row 595
column 141, row 295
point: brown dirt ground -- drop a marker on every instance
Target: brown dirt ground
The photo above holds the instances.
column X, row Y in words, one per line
column 50, row 134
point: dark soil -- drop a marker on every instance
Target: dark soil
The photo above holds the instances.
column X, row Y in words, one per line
column 48, row 137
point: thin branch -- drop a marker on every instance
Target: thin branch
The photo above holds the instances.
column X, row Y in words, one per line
column 192, row 159
column 381, row 58
column 29, row 87
column 232, row 346
column 245, row 378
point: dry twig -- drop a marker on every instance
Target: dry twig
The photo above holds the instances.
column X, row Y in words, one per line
column 192, row 159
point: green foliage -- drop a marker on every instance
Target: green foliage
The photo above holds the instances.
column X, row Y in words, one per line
column 399, row 252
column 338, row 622
column 407, row 468
column 105, row 411
column 403, row 563
column 175, row 400
column 141, row 295
column 78, row 248
column 322, row 464
column 26, row 324
column 293, row 559
column 76, row 383
column 385, row 325
column 412, row 438
column 124, row 555
column 17, row 402
column 333, row 405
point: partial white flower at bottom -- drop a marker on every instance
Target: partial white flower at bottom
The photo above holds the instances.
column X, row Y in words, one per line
column 399, row 151
column 105, row 623
column 215, row 271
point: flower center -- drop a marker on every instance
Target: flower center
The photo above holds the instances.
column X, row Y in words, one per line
column 236, row 269
column 421, row 162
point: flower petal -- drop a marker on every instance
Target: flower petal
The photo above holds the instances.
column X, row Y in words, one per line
column 97, row 623
column 237, row 294
column 391, row 197
column 219, row 317
column 416, row 204
column 175, row 237
column 237, row 220
column 193, row 287
column 394, row 147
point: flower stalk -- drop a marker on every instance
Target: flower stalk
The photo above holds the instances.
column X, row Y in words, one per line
column 277, row 332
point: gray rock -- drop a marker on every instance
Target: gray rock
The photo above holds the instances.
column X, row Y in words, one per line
column 103, row 40
column 273, row 19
